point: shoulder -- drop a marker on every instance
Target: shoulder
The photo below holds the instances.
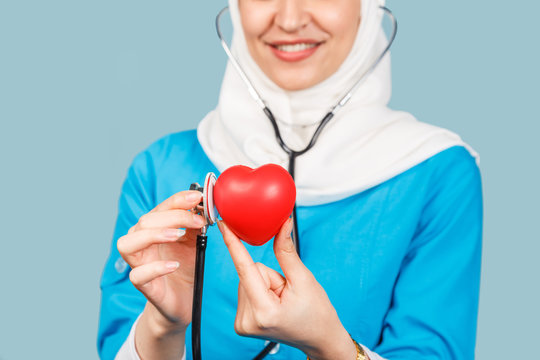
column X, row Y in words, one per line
column 445, row 177
column 448, row 177
column 170, row 147
column 171, row 164
column 452, row 187
column 172, row 144
column 453, row 158
column 455, row 164
column 437, row 155
column 163, row 156
column 445, row 170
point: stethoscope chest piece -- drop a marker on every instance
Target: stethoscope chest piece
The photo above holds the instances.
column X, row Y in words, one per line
column 207, row 207
column 210, row 211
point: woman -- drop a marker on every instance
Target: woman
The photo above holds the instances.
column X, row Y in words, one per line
column 389, row 211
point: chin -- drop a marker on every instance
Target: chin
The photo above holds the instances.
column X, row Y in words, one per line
column 294, row 81
column 292, row 86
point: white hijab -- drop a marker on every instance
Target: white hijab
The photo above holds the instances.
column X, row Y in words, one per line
column 365, row 144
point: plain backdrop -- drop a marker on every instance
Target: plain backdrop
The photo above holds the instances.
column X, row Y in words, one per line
column 85, row 85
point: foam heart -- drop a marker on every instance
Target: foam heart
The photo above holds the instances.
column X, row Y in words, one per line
column 255, row 202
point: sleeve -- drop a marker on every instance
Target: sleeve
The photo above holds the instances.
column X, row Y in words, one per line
column 370, row 354
column 121, row 303
column 128, row 351
column 433, row 313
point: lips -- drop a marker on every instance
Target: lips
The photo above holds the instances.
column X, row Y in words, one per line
column 293, row 51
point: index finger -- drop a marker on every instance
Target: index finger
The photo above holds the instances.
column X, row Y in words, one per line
column 247, row 270
column 184, row 200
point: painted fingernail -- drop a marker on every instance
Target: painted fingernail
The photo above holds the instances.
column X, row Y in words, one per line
column 193, row 195
column 173, row 234
column 198, row 220
column 172, row 265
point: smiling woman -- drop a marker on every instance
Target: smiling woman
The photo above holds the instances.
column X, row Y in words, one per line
column 299, row 43
column 388, row 210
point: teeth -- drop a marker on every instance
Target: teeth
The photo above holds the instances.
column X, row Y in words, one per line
column 295, row 47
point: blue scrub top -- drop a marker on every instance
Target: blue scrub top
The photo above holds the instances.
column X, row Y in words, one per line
column 400, row 262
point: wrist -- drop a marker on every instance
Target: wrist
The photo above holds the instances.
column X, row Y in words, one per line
column 338, row 346
column 158, row 326
column 158, row 339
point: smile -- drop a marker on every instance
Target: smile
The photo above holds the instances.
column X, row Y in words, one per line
column 295, row 47
column 292, row 52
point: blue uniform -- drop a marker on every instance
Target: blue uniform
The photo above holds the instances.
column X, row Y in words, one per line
column 400, row 262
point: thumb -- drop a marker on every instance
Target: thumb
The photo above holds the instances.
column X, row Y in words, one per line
column 286, row 254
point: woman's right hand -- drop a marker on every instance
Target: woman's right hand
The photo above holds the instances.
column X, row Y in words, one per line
column 162, row 258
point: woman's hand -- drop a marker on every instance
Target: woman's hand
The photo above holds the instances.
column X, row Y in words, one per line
column 294, row 309
column 162, row 259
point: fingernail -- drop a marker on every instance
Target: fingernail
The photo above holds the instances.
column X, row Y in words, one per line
column 198, row 220
column 290, row 225
column 172, row 265
column 173, row 234
column 222, row 226
column 193, row 195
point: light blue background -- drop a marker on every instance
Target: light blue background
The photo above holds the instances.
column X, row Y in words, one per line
column 84, row 86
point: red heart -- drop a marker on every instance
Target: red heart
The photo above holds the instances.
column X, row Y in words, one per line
column 255, row 202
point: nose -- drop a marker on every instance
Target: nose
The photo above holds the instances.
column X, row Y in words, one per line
column 292, row 15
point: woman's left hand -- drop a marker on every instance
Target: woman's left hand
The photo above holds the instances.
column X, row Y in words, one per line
column 292, row 310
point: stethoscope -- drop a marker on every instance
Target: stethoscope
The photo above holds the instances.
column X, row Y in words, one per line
column 207, row 208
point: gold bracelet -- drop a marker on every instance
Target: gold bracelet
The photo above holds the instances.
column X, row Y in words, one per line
column 360, row 354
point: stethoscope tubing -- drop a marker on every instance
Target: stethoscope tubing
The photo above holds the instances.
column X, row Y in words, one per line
column 293, row 154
